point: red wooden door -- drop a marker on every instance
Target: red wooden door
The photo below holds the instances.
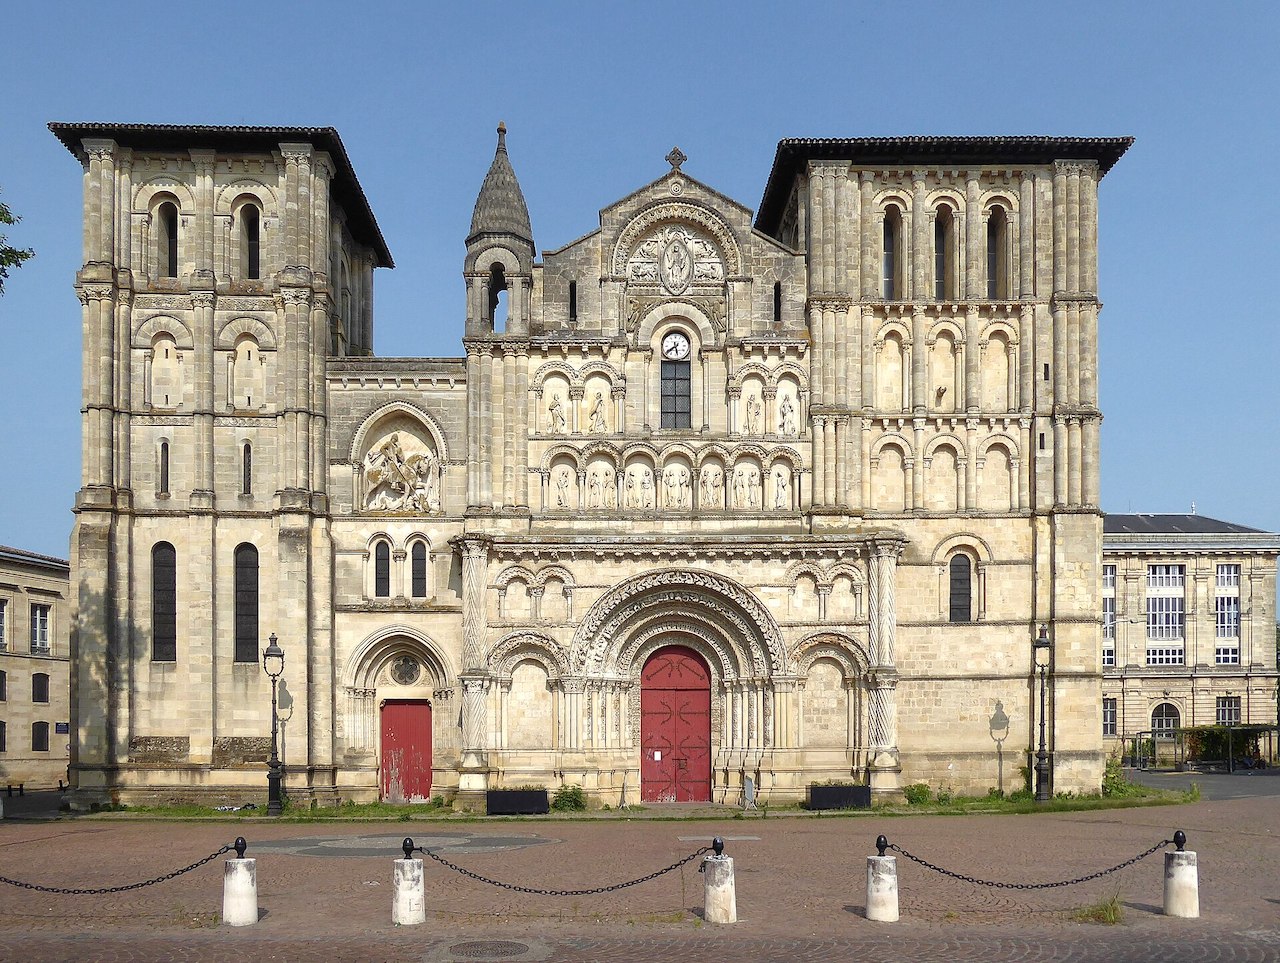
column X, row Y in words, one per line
column 406, row 751
column 675, row 727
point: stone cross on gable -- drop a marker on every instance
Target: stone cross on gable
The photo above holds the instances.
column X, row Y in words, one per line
column 676, row 158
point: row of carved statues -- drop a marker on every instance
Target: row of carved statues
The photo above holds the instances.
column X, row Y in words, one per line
column 639, row 488
column 598, row 416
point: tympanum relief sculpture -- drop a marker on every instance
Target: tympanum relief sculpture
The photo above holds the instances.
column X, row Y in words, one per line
column 676, row 258
column 401, row 474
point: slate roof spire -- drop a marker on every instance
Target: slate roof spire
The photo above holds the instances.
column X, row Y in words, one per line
column 500, row 208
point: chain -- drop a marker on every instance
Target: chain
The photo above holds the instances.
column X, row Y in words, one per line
column 115, row 889
column 998, row 885
column 563, row 892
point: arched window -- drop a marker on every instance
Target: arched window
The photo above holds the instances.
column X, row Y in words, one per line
column 164, row 603
column 246, row 470
column 250, row 244
column 573, row 302
column 166, row 383
column 1165, row 718
column 162, row 469
column 777, row 302
column 891, row 290
column 39, row 737
column 167, row 239
column 246, row 559
column 961, row 581
column 247, row 390
column 382, row 571
column 419, row 570
column 997, row 255
column 40, row 687
column 498, row 300
column 943, row 275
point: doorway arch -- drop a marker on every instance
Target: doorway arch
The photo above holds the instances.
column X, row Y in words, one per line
column 675, row 726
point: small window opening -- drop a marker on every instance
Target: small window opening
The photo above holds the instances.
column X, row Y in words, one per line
column 167, row 240
column 573, row 302
column 942, row 254
column 498, row 302
column 249, row 228
column 382, row 571
column 246, row 467
column 889, row 263
column 1046, row 371
column 164, row 603
column 246, row 603
column 164, row 462
column 419, row 587
column 961, row 589
column 777, row 302
column 1042, row 441
column 997, row 283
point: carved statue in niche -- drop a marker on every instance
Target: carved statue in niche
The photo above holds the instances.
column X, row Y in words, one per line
column 739, row 488
column 555, row 415
column 646, row 487
column 401, row 476
column 711, row 491
column 595, row 490
column 786, row 417
column 754, row 410
column 629, row 495
column 671, row 488
column 781, row 500
column 562, row 486
column 686, row 488
column 597, row 416
column 754, row 493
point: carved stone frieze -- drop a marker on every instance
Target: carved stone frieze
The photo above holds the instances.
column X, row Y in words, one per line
column 639, row 305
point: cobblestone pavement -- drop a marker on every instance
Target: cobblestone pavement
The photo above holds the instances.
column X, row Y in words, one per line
column 800, row 890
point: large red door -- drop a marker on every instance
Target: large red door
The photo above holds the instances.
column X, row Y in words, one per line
column 406, row 751
column 675, row 727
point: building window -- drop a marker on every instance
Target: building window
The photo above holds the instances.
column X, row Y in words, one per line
column 573, row 302
column 246, row 470
column 382, row 570
column 961, row 583
column 419, row 574
column 1164, row 720
column 498, row 298
column 167, row 239
column 1108, row 716
column 4, row 624
column 997, row 255
column 40, row 629
column 4, row 686
column 943, row 223
column 676, row 395
column 1226, row 615
column 246, row 560
column 890, row 288
column 39, row 737
column 4, row 743
column 777, row 303
column 40, row 687
column 1228, row 710
column 1108, row 615
column 164, row 603
column 1166, row 614
column 250, row 244
column 162, row 471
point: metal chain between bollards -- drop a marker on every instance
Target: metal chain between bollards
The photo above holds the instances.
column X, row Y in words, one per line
column 995, row 884
column 64, row 891
column 560, row 892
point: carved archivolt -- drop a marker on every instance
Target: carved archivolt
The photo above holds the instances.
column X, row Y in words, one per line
column 145, row 332
column 848, row 653
column 711, row 645
column 682, row 216
column 379, row 649
column 604, row 630
column 236, row 327
column 513, row 649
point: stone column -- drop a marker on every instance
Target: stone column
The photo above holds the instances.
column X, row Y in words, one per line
column 1026, row 237
column 202, row 330
column 884, row 768
column 473, row 768
column 973, row 361
column 920, row 269
column 520, row 426
column 474, row 401
column 976, row 248
column 484, row 453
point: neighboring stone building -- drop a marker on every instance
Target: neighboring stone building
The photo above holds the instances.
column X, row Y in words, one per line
column 708, row 498
column 1188, row 625
column 35, row 619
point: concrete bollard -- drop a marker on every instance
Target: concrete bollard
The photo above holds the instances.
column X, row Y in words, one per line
column 882, row 885
column 408, row 898
column 1181, row 881
column 240, row 888
column 719, row 903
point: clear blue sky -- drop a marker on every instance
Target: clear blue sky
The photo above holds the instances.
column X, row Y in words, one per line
column 596, row 93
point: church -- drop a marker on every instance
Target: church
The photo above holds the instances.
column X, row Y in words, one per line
column 711, row 498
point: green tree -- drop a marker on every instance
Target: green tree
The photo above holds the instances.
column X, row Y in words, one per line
column 10, row 257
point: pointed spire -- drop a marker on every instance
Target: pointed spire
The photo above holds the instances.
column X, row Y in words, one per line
column 500, row 207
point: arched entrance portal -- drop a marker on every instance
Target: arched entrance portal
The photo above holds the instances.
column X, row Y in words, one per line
column 675, row 727
column 406, row 750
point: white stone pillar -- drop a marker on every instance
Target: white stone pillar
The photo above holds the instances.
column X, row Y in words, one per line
column 882, row 889
column 720, row 904
column 1181, row 884
column 240, row 891
column 409, row 900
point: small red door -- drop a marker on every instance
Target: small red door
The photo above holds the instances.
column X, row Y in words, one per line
column 675, row 727
column 406, row 751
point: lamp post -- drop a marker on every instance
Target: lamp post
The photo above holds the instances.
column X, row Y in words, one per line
column 273, row 665
column 1042, row 650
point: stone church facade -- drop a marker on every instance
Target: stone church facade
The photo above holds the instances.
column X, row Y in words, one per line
column 710, row 497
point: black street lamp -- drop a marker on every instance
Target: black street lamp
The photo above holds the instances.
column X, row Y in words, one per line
column 1042, row 649
column 273, row 664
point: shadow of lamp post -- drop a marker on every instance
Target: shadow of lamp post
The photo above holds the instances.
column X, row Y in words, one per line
column 1042, row 649
column 273, row 665
column 286, row 713
column 999, row 726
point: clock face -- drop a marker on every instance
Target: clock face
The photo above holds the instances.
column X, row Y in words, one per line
column 675, row 346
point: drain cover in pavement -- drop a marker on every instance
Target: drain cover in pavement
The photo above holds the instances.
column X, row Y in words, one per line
column 488, row 949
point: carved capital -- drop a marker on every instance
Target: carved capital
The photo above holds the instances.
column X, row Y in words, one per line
column 203, row 299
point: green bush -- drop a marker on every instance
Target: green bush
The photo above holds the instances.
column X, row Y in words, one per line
column 569, row 798
column 1021, row 795
column 1114, row 782
column 917, row 793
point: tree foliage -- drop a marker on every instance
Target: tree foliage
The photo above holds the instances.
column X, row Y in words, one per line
column 10, row 257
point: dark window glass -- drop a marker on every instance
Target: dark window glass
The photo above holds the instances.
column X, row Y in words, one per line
column 777, row 302
column 168, row 240
column 676, row 406
column 1164, row 720
column 164, row 603
column 164, row 468
column 996, row 287
column 3, row 739
column 247, row 470
column 39, row 737
column 252, row 247
column 39, row 687
column 889, row 267
column 382, row 571
column 419, row 570
column 573, row 302
column 941, row 250
column 961, row 589
column 246, row 603
column 4, row 685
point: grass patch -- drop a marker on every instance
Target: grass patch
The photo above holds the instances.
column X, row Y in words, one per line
column 1107, row 911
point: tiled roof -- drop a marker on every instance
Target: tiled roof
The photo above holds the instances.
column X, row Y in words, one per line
column 22, row 556
column 500, row 207
column 793, row 153
column 1143, row 524
column 347, row 191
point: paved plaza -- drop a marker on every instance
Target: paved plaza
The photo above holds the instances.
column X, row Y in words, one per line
column 325, row 890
